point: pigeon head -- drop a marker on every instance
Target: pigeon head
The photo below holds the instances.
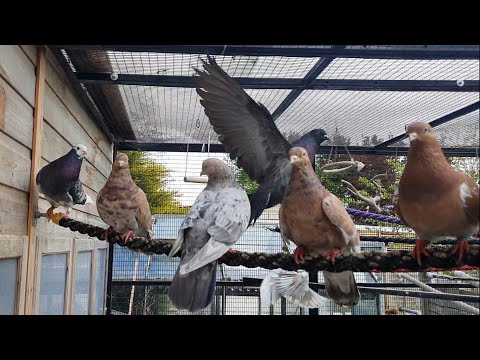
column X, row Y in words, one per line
column 319, row 135
column 420, row 132
column 80, row 150
column 299, row 156
column 217, row 171
column 121, row 162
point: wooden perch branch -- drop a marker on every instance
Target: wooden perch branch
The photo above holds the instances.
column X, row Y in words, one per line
column 371, row 202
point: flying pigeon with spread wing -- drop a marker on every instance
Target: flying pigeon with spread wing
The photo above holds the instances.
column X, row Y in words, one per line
column 433, row 198
column 248, row 132
column 123, row 205
column 318, row 223
column 60, row 183
column 215, row 222
column 293, row 285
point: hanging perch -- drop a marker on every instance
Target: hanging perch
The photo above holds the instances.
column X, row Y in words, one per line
column 347, row 165
column 196, row 179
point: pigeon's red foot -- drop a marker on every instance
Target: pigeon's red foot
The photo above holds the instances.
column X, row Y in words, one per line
column 57, row 217
column 462, row 247
column 298, row 254
column 232, row 251
column 128, row 236
column 106, row 233
column 49, row 213
column 419, row 249
column 333, row 254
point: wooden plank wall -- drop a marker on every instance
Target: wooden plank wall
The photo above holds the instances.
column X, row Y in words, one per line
column 66, row 123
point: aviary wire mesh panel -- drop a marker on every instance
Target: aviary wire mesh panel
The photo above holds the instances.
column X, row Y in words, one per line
column 356, row 114
column 169, row 114
column 391, row 69
column 140, row 281
column 461, row 132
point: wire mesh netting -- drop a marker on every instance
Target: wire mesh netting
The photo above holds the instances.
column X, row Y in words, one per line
column 169, row 114
column 140, row 281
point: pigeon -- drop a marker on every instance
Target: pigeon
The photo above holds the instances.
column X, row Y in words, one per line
column 59, row 181
column 433, row 198
column 248, row 132
column 215, row 222
column 293, row 285
column 123, row 205
column 318, row 223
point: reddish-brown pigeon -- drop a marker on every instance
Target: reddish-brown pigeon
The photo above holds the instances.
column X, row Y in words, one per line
column 122, row 204
column 318, row 223
column 433, row 198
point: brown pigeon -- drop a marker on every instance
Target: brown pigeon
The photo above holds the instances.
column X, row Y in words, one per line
column 123, row 205
column 318, row 223
column 433, row 198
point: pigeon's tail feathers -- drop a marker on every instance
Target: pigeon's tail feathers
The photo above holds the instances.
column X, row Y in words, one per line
column 193, row 291
column 342, row 288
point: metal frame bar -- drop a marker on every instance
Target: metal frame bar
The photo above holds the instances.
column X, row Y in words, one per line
column 323, row 150
column 311, row 76
column 394, row 52
column 441, row 120
column 373, row 288
column 298, row 85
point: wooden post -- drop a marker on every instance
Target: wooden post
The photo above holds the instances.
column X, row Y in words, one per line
column 32, row 253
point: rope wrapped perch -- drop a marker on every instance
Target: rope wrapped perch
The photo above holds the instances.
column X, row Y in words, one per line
column 393, row 261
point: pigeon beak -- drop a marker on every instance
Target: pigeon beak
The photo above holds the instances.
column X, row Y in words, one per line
column 293, row 158
column 84, row 153
column 202, row 173
column 121, row 163
column 326, row 138
column 412, row 136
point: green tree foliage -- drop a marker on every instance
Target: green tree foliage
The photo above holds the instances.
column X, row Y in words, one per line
column 151, row 176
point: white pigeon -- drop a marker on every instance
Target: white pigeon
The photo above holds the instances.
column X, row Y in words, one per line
column 293, row 285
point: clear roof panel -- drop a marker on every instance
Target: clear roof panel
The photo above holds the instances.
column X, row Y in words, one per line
column 365, row 113
column 390, row 69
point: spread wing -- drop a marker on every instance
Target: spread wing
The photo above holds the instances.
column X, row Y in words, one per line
column 245, row 128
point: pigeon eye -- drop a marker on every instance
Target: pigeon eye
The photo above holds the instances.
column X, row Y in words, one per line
column 78, row 148
column 426, row 129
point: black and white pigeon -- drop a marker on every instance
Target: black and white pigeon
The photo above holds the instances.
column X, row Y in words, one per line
column 248, row 132
column 60, row 183
column 215, row 222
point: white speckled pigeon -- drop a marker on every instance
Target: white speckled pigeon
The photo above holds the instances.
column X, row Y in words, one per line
column 123, row 205
column 318, row 223
column 293, row 285
column 215, row 222
column 248, row 132
column 433, row 198
column 59, row 181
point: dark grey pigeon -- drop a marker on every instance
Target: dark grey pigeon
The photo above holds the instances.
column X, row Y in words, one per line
column 215, row 222
column 59, row 181
column 249, row 134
